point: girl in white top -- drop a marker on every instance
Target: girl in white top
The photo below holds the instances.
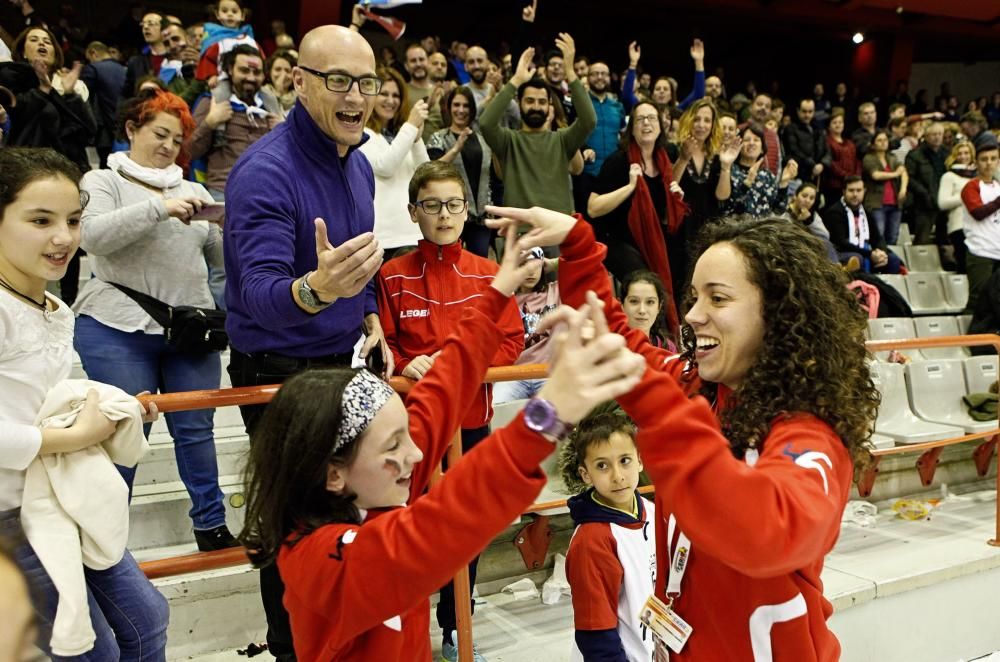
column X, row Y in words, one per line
column 395, row 149
column 40, row 211
column 960, row 170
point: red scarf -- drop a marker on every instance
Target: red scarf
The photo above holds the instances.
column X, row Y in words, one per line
column 647, row 228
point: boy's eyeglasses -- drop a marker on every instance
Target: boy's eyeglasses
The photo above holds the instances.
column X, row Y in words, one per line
column 337, row 81
column 433, row 205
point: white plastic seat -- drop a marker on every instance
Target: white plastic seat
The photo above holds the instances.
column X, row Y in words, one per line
column 880, row 441
column 936, row 389
column 936, row 327
column 963, row 323
column 922, row 257
column 895, row 419
column 893, row 328
column 904, row 235
column 956, row 292
column 926, row 293
column 898, row 250
column 897, row 282
column 980, row 373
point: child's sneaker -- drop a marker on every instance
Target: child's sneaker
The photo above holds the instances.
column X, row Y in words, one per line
column 449, row 651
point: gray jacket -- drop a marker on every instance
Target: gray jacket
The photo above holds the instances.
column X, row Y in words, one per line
column 445, row 140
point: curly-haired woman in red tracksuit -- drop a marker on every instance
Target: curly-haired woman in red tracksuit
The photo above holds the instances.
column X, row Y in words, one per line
column 750, row 436
column 337, row 457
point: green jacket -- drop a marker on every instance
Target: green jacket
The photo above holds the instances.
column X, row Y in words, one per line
column 926, row 169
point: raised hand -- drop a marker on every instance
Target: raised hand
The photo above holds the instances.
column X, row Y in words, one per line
column 689, row 146
column 549, row 228
column 70, row 76
column 463, row 135
column 418, row 114
column 730, row 152
column 343, row 271
column 528, row 13
column 358, row 17
column 698, row 50
column 565, row 43
column 513, row 268
column 789, row 172
column 219, row 112
column 634, row 53
column 42, row 71
column 525, row 67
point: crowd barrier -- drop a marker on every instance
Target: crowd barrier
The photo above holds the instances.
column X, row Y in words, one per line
column 532, row 540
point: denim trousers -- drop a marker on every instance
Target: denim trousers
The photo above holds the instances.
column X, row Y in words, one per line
column 519, row 390
column 138, row 361
column 887, row 219
column 128, row 614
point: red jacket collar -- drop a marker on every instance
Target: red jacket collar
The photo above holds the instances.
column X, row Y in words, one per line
column 432, row 252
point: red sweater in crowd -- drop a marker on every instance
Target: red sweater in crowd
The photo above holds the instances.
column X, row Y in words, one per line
column 358, row 593
column 752, row 588
column 421, row 296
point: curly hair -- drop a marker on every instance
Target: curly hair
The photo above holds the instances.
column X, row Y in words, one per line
column 813, row 357
column 714, row 141
column 596, row 428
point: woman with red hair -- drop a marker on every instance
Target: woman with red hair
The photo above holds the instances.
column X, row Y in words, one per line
column 141, row 231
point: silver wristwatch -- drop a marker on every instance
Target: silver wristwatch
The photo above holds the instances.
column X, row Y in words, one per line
column 308, row 295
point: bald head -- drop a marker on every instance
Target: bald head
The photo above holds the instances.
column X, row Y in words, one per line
column 322, row 46
column 476, row 63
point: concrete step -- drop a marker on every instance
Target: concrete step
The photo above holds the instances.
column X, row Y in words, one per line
column 159, row 518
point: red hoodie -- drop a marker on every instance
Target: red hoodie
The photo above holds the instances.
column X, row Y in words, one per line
column 752, row 588
column 358, row 593
column 421, row 296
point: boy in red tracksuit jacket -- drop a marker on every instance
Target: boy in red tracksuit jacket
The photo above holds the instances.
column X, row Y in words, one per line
column 752, row 579
column 421, row 298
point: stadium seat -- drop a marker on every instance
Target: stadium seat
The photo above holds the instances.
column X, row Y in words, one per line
column 895, row 419
column 880, row 441
column 923, row 257
column 893, row 328
column 897, row 282
column 926, row 294
column 980, row 373
column 936, row 389
column 963, row 323
column 935, row 327
column 956, row 291
column 904, row 237
column 898, row 250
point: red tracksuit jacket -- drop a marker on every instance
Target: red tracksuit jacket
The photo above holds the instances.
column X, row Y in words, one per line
column 421, row 298
column 359, row 593
column 752, row 588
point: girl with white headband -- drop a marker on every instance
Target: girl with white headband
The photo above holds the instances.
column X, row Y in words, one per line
column 337, row 454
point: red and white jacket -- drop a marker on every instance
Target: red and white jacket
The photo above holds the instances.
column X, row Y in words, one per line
column 981, row 219
column 758, row 535
column 421, row 296
column 357, row 593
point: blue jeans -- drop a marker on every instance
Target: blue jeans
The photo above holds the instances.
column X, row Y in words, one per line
column 139, row 361
column 519, row 390
column 887, row 221
column 128, row 614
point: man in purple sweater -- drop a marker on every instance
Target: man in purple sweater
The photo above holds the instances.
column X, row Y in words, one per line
column 300, row 253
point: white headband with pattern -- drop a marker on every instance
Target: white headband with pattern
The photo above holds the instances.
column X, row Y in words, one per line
column 364, row 395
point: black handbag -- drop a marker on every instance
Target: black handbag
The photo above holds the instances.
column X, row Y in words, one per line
column 188, row 329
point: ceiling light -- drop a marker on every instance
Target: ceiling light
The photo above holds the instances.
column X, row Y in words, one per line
column 858, row 38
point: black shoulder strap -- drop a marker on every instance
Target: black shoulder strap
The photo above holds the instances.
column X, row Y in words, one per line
column 159, row 311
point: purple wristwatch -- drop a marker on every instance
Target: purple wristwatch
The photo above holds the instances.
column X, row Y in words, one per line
column 541, row 416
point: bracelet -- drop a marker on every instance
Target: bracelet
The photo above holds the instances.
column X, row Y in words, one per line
column 356, row 25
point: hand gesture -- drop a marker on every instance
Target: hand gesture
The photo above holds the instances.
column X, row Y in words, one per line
column 418, row 366
column 190, row 55
column 91, row 425
column 634, row 53
column 358, row 17
column 525, row 67
column 183, row 208
column 150, row 413
column 219, row 112
column 528, row 13
column 634, row 173
column 817, row 170
column 495, row 79
column 789, row 172
column 345, row 270
column 730, row 152
column 549, row 228
column 584, row 373
column 70, row 76
column 689, row 146
column 589, row 155
column 676, row 189
column 565, row 43
column 697, row 50
column 463, row 135
column 513, row 267
column 418, row 114
column 42, row 71
column 375, row 337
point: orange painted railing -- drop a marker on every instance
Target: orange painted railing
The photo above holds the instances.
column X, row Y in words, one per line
column 262, row 394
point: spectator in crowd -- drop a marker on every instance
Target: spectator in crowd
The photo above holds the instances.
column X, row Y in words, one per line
column 925, row 166
column 805, row 142
column 387, row 56
column 196, row 34
column 394, row 148
column 127, row 614
column 278, row 68
column 150, row 59
column 582, row 67
column 537, row 296
column 981, row 221
column 534, row 160
column 713, row 92
column 863, row 135
column 243, row 119
column 179, row 67
column 462, row 145
column 753, row 189
column 441, row 278
column 458, row 52
column 610, row 111
column 420, row 85
column 897, row 131
column 664, row 92
column 854, row 235
column 992, row 111
column 961, row 167
column 730, row 129
column 886, row 187
column 843, row 157
column 555, row 76
column 911, row 138
column 698, row 171
column 219, row 39
column 974, row 127
column 842, row 100
column 104, row 77
column 823, row 106
column 298, row 289
column 760, row 111
column 476, row 63
column 638, row 209
column 139, row 232
column 802, row 210
column 643, row 300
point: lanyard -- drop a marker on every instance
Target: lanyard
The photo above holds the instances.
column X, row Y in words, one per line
column 678, row 559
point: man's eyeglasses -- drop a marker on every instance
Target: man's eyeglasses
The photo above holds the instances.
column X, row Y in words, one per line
column 337, row 81
column 433, row 205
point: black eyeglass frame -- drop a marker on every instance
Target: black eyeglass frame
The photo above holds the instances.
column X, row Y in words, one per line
column 444, row 205
column 325, row 75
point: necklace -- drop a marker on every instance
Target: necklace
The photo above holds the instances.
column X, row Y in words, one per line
column 43, row 306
